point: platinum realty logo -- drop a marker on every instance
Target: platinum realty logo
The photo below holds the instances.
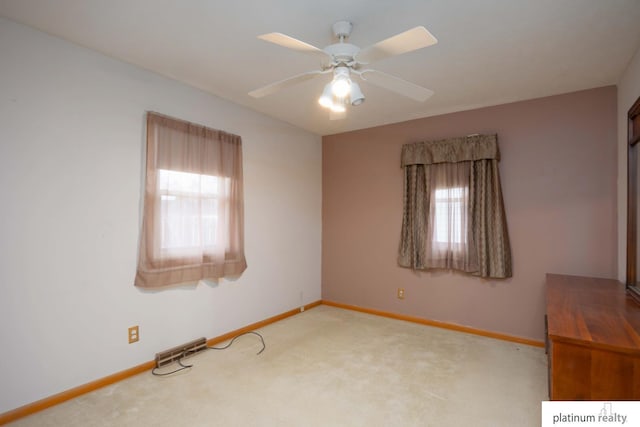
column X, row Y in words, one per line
column 590, row 413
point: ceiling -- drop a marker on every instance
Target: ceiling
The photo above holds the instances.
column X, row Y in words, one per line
column 489, row 52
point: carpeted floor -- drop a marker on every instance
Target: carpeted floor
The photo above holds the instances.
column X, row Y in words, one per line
column 330, row 367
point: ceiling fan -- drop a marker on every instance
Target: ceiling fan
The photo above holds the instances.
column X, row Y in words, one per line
column 345, row 60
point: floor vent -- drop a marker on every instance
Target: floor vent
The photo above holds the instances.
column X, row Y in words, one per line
column 176, row 353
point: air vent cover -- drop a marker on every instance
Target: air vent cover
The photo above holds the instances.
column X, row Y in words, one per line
column 174, row 354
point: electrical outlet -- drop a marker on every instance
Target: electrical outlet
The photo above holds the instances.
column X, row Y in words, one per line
column 134, row 334
column 400, row 293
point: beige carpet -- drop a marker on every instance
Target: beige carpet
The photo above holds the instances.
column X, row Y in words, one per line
column 330, row 367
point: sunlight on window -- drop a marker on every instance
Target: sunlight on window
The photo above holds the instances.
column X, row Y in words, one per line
column 189, row 206
column 449, row 225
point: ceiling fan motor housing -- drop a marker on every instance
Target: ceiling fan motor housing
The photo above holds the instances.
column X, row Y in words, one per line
column 342, row 53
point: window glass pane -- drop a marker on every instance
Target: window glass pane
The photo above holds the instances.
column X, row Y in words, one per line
column 185, row 182
column 450, row 205
column 189, row 209
column 209, row 221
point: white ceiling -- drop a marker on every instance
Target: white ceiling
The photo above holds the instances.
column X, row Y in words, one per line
column 489, row 51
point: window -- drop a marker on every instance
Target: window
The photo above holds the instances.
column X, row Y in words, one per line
column 189, row 206
column 193, row 211
column 450, row 211
column 448, row 216
column 453, row 215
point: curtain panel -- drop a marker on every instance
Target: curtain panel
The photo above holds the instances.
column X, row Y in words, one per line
column 453, row 213
column 193, row 215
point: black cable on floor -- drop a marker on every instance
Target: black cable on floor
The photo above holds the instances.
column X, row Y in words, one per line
column 183, row 367
column 238, row 336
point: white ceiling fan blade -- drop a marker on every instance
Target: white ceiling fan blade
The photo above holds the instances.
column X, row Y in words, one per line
column 291, row 43
column 274, row 87
column 413, row 39
column 396, row 84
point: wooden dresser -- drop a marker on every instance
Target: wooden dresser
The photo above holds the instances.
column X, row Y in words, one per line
column 593, row 339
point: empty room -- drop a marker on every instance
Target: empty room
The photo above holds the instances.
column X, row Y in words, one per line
column 335, row 213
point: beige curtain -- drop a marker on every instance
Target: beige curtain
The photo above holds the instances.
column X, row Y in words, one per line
column 193, row 216
column 453, row 216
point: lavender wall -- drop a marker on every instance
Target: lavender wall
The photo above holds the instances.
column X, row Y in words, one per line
column 558, row 173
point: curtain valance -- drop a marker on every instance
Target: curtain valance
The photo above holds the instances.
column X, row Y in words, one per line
column 452, row 150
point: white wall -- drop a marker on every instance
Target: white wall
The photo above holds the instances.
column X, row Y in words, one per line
column 628, row 92
column 71, row 147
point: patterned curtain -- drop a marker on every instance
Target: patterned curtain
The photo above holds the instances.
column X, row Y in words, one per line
column 453, row 215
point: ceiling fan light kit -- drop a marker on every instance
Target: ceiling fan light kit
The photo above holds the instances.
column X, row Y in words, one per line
column 335, row 93
column 341, row 85
column 345, row 60
column 356, row 96
column 326, row 99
